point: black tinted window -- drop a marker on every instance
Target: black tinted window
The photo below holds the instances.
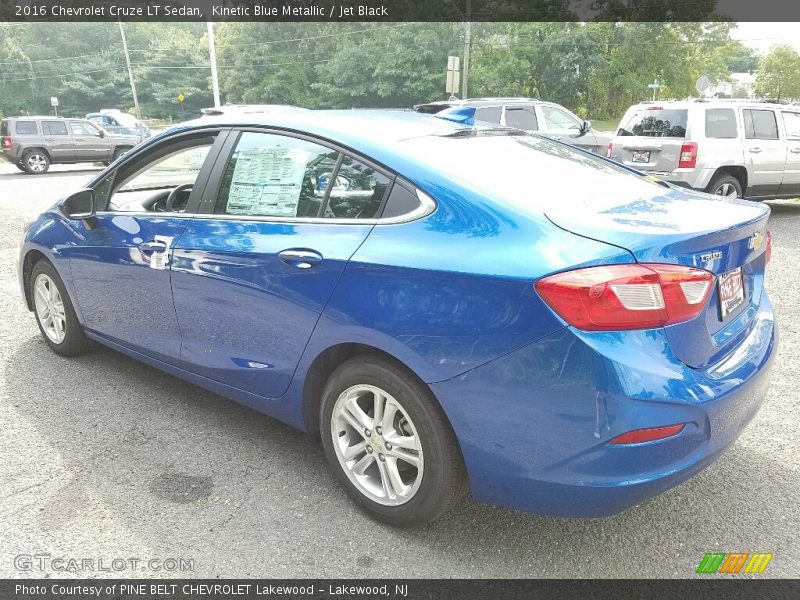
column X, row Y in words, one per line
column 522, row 118
column 26, row 127
column 656, row 122
column 357, row 192
column 401, row 201
column 721, row 123
column 760, row 125
column 3, row 127
column 54, row 128
column 490, row 114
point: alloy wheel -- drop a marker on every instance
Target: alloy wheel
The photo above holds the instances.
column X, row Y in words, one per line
column 50, row 308
column 37, row 163
column 727, row 189
column 377, row 445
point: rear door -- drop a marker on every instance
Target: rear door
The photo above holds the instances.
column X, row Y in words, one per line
column 650, row 138
column 58, row 140
column 764, row 151
column 791, row 175
column 251, row 276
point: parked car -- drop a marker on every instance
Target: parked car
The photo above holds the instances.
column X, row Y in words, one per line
column 742, row 149
column 34, row 143
column 115, row 121
column 447, row 305
column 547, row 118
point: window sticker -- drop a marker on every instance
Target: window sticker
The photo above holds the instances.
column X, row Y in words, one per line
column 267, row 180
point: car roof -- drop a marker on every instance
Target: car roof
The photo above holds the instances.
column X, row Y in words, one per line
column 47, row 118
column 710, row 103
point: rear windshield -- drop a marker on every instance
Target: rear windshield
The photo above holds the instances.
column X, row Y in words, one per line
column 4, row 127
column 656, row 122
column 26, row 127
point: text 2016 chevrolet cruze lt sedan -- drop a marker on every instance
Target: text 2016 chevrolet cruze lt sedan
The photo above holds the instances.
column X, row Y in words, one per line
column 451, row 305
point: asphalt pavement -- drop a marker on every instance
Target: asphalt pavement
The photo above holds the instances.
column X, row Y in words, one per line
column 104, row 458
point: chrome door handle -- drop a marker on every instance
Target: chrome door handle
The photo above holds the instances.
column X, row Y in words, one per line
column 300, row 257
column 795, row 150
column 754, row 150
column 153, row 246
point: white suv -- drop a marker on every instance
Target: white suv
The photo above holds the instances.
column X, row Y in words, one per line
column 731, row 148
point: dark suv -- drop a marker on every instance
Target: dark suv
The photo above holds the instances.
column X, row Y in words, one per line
column 34, row 143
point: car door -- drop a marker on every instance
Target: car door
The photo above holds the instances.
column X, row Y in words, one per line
column 120, row 259
column 252, row 274
column 791, row 174
column 562, row 125
column 89, row 142
column 58, row 140
column 764, row 151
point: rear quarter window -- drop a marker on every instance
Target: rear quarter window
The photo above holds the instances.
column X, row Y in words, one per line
column 26, row 127
column 721, row 123
column 656, row 122
column 490, row 114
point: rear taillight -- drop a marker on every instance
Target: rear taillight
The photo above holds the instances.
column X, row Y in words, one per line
column 649, row 434
column 688, row 158
column 768, row 249
column 609, row 150
column 635, row 296
column 7, row 142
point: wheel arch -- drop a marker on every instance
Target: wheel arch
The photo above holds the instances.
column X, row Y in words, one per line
column 31, row 258
column 737, row 171
column 41, row 149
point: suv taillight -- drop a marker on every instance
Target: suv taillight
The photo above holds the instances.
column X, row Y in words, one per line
column 634, row 296
column 7, row 142
column 609, row 150
column 688, row 158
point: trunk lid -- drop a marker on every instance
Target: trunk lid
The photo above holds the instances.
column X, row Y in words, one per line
column 686, row 228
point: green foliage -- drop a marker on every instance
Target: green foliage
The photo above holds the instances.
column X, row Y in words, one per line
column 778, row 76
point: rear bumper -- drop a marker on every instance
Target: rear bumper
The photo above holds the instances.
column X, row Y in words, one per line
column 695, row 179
column 534, row 426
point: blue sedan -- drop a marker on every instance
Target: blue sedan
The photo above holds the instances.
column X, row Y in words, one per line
column 450, row 305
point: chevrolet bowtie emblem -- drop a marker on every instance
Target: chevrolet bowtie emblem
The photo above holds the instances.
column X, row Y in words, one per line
column 754, row 243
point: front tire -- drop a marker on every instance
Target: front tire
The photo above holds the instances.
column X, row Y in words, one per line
column 119, row 152
column 35, row 162
column 54, row 312
column 725, row 185
column 389, row 442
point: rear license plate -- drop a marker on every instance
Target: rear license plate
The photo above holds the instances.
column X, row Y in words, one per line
column 731, row 292
column 642, row 156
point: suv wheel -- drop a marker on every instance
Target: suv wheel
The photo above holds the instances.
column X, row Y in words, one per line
column 35, row 162
column 389, row 443
column 725, row 185
column 120, row 152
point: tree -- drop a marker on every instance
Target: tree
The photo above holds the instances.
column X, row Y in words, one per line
column 778, row 76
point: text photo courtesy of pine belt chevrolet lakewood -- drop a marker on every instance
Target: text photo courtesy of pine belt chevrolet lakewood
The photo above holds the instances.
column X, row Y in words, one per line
column 402, row 285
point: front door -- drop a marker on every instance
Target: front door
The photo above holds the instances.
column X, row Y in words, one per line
column 120, row 259
column 90, row 144
column 251, row 277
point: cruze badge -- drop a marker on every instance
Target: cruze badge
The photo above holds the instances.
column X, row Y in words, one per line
column 711, row 256
column 754, row 243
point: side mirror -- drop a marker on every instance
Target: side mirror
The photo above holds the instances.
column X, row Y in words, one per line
column 79, row 205
column 102, row 133
column 586, row 127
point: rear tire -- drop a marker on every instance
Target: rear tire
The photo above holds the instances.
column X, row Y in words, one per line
column 405, row 468
column 726, row 185
column 35, row 161
column 54, row 312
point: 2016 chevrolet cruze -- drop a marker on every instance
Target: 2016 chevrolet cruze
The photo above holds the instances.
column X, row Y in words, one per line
column 451, row 305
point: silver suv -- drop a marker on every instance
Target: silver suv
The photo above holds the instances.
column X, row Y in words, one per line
column 547, row 118
column 34, row 143
column 736, row 148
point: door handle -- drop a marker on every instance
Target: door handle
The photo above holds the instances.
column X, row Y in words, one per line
column 153, row 246
column 755, row 150
column 300, row 258
column 795, row 150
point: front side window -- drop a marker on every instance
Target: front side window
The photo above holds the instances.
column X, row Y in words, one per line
column 558, row 119
column 522, row 118
column 79, row 128
column 54, row 128
column 721, row 123
column 760, row 125
column 272, row 175
column 656, row 122
column 792, row 122
column 26, row 127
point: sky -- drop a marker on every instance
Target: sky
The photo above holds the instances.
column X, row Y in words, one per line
column 762, row 36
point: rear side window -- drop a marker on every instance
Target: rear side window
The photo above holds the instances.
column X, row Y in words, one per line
column 26, row 127
column 792, row 122
column 522, row 118
column 54, row 128
column 490, row 114
column 760, row 125
column 721, row 123
column 656, row 122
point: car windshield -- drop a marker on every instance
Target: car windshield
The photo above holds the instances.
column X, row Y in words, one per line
column 125, row 119
column 527, row 170
column 656, row 122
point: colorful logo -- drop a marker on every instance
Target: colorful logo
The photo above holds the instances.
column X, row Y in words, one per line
column 734, row 562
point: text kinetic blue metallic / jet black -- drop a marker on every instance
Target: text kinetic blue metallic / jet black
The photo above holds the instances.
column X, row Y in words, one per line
column 576, row 380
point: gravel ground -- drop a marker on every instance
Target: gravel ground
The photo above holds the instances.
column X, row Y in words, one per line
column 102, row 457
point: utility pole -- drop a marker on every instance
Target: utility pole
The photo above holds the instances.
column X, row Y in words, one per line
column 467, row 41
column 212, row 55
column 130, row 72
